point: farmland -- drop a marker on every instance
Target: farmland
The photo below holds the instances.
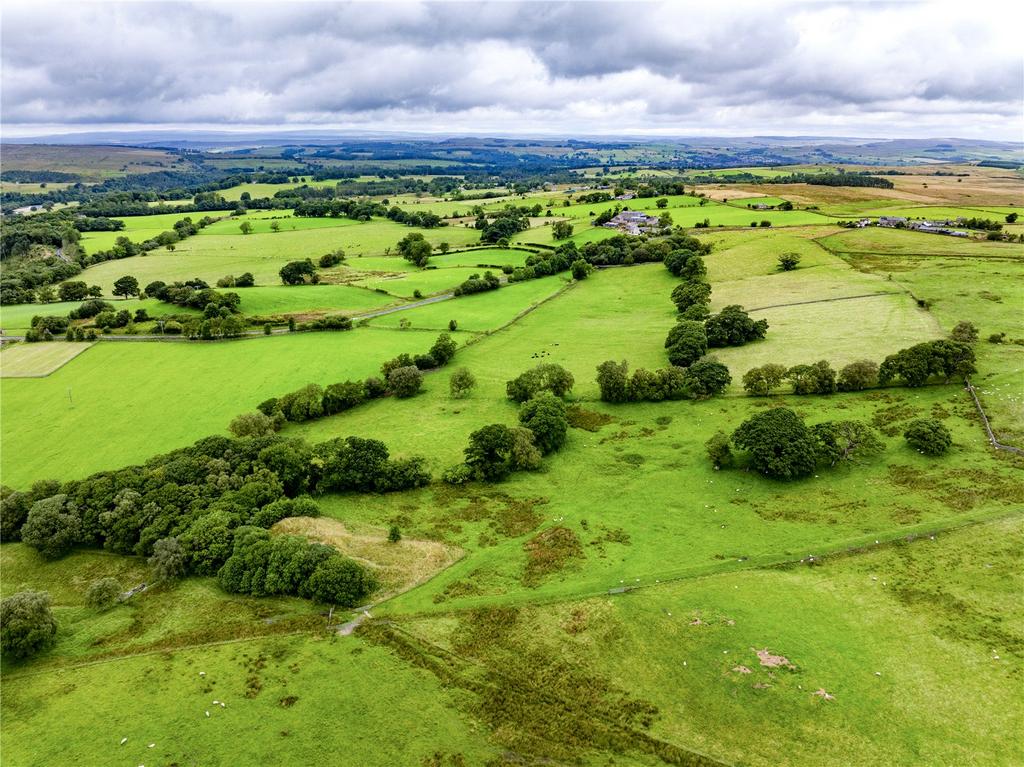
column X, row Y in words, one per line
column 628, row 602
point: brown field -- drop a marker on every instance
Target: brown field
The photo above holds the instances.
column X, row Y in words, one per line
column 92, row 163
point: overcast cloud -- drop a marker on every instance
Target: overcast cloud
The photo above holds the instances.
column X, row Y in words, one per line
column 677, row 68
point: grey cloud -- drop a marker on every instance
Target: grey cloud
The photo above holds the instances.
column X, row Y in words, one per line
column 569, row 67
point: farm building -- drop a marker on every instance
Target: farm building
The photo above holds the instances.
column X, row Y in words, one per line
column 633, row 222
column 892, row 221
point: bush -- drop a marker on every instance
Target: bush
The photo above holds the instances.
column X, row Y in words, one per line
column 928, row 436
column 253, row 425
column 613, row 380
column 296, row 272
column 458, row 474
column 443, row 349
column 168, row 559
column 686, row 343
column 305, row 404
column 331, row 259
column 706, row 378
column 489, row 452
column 779, row 443
column 405, row 381
column 719, row 450
column 965, row 332
column 733, row 327
column 818, row 378
column 27, row 625
column 375, row 387
column 103, row 593
column 788, row 261
column 545, row 377
column 461, row 383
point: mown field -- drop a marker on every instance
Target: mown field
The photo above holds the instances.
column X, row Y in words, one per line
column 886, row 592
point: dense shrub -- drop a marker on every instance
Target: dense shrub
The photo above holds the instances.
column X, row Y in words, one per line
column 686, row 343
column 53, row 526
column 477, row 284
column 928, row 436
column 706, row 378
column 760, row 381
column 342, row 396
column 916, row 365
column 613, row 381
column 719, row 450
column 254, row 425
column 103, row 593
column 461, row 383
column 405, row 381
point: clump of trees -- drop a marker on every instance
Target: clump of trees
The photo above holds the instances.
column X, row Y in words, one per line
column 477, row 284
column 415, row 248
column 547, row 377
column 916, row 365
column 496, row 450
column 733, row 327
column 780, row 445
column 703, row 379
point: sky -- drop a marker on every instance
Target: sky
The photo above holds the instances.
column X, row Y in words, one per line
column 864, row 69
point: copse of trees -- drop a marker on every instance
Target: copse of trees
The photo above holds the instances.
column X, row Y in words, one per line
column 415, row 248
column 188, row 509
column 703, row 379
column 477, row 284
column 546, row 377
column 916, row 365
column 780, row 445
column 733, row 327
column 818, row 378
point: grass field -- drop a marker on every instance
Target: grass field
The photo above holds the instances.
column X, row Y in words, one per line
column 212, row 256
column 37, row 360
column 140, row 228
column 294, row 299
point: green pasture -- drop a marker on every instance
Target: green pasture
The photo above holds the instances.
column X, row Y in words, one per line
column 942, row 213
column 481, row 257
column 191, row 390
column 257, row 191
column 262, row 221
column 299, row 299
column 212, row 256
column 134, row 672
column 880, row 632
column 140, row 228
column 479, row 312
